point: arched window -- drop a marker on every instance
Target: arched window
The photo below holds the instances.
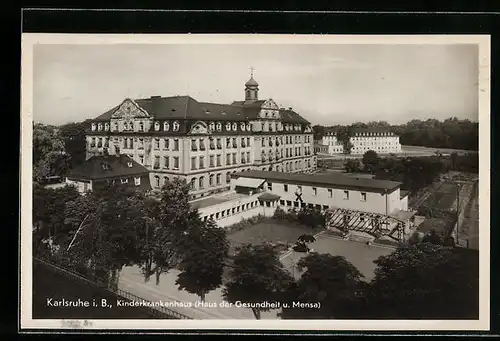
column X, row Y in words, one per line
column 211, row 126
column 166, row 126
column 99, row 127
column 219, row 126
column 242, row 126
column 201, row 181
column 157, row 181
column 165, row 180
column 211, row 180
column 228, row 126
column 157, row 126
column 193, row 183
column 93, row 126
column 228, row 177
column 248, row 126
column 141, row 126
column 235, row 126
column 125, row 126
column 175, row 126
column 106, row 126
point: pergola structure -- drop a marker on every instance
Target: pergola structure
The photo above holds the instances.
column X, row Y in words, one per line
column 372, row 223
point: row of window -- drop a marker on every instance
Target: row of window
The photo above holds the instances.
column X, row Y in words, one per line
column 232, row 211
column 198, row 162
column 129, row 126
column 315, row 191
column 346, row 217
column 199, row 183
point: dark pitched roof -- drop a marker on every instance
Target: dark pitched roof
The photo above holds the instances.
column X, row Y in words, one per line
column 404, row 194
column 182, row 107
column 333, row 180
column 371, row 130
column 268, row 197
column 93, row 169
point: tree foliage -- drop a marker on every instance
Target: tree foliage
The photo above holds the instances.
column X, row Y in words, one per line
column 167, row 226
column 257, row 276
column 450, row 133
column 370, row 160
column 425, row 281
column 331, row 281
column 204, row 260
column 352, row 166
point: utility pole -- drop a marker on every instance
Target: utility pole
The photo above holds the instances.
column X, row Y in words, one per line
column 458, row 209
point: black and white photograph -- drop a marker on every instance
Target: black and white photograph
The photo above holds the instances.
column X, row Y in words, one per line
column 255, row 182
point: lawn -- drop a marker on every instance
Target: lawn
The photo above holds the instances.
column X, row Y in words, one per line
column 272, row 231
column 359, row 254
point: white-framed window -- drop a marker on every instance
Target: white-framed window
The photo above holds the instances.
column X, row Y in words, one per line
column 166, row 126
column 315, row 191
column 99, row 127
column 129, row 164
column 363, row 196
column 137, row 180
column 141, row 126
column 93, row 126
column 219, row 126
column 330, row 193
column 106, row 126
column 157, row 181
column 346, row 195
column 228, row 126
column 242, row 126
column 157, row 126
column 175, row 126
column 124, row 180
column 270, row 186
column 211, row 126
column 235, row 127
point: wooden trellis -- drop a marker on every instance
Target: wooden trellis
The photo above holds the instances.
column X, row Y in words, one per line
column 372, row 223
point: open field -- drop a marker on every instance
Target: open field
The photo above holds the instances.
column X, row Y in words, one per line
column 359, row 254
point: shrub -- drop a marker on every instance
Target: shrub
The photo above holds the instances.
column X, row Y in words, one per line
column 300, row 247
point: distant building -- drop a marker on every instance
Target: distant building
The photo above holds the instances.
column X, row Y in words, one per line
column 319, row 147
column 380, row 140
column 204, row 143
column 117, row 169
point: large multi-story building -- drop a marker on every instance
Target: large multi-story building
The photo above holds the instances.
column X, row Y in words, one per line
column 379, row 140
column 205, row 143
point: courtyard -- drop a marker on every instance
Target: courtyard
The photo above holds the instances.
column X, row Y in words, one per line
column 274, row 231
column 359, row 254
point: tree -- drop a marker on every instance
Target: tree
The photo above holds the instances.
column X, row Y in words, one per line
column 433, row 238
column 73, row 136
column 454, row 157
column 425, row 281
column 257, row 276
column 203, row 264
column 370, row 160
column 49, row 155
column 352, row 166
column 106, row 227
column 344, row 136
column 331, row 281
column 167, row 223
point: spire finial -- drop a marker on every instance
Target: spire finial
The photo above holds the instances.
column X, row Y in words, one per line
column 251, row 71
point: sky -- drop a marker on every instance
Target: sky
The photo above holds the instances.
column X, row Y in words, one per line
column 327, row 84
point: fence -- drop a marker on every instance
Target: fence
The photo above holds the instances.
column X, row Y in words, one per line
column 161, row 312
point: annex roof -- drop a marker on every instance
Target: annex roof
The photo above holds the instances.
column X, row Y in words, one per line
column 249, row 182
column 107, row 166
column 324, row 180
